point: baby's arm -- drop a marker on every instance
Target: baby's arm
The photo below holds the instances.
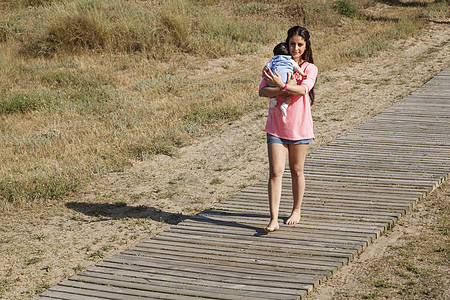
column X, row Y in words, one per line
column 298, row 70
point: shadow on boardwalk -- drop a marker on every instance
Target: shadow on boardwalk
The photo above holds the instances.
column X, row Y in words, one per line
column 115, row 211
column 207, row 216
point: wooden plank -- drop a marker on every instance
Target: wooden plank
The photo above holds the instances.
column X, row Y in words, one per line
column 212, row 268
column 398, row 129
column 158, row 273
column 349, row 139
column 356, row 159
column 342, row 189
column 372, row 145
column 343, row 255
column 395, row 166
column 349, row 206
column 115, row 284
column 327, row 197
column 245, row 225
column 256, row 251
column 218, row 287
column 40, row 297
column 324, row 214
column 336, row 203
column 324, row 188
column 309, row 205
column 125, row 292
column 204, row 280
column 392, row 140
column 318, row 213
column 230, row 261
column 307, row 222
column 249, row 255
column 382, row 152
column 365, row 163
column 241, row 255
column 65, row 294
column 242, row 252
column 259, row 209
column 245, row 242
column 348, row 226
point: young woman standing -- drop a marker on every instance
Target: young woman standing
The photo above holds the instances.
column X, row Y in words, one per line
column 289, row 135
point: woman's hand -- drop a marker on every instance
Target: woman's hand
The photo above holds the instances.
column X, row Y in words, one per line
column 265, row 69
column 291, row 79
column 273, row 78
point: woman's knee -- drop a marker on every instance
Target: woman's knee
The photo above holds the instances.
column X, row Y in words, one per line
column 297, row 172
column 276, row 172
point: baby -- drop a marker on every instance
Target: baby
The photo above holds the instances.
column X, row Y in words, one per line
column 283, row 63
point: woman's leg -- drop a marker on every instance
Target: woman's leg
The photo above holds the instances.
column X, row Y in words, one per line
column 277, row 164
column 297, row 156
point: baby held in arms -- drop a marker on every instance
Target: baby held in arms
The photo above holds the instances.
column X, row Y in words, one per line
column 284, row 65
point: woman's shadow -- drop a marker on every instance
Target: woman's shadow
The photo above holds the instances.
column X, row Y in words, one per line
column 120, row 210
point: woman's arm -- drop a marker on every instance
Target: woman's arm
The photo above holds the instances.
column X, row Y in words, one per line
column 270, row 92
column 294, row 89
column 273, row 79
column 278, row 89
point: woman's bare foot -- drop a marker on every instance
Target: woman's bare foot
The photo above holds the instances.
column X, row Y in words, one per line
column 273, row 225
column 294, row 218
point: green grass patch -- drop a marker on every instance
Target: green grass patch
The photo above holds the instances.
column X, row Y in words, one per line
column 28, row 3
column 68, row 79
column 95, row 101
column 33, row 260
column 254, row 8
column 22, row 102
column 209, row 115
column 384, row 283
column 244, row 80
column 40, row 187
column 346, row 8
column 364, row 49
column 163, row 144
column 217, row 181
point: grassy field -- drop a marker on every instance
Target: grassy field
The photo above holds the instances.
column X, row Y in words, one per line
column 90, row 86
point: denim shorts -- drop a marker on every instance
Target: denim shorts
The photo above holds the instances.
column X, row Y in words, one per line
column 274, row 139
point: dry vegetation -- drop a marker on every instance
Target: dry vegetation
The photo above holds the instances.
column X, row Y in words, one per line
column 90, row 86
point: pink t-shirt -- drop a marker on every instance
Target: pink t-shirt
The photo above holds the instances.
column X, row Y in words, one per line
column 298, row 124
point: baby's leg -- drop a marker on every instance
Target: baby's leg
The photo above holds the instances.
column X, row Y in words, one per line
column 273, row 102
column 285, row 104
column 288, row 99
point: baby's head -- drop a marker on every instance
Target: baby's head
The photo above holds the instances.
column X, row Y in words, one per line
column 281, row 49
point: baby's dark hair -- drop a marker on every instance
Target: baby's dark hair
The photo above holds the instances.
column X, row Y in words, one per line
column 281, row 49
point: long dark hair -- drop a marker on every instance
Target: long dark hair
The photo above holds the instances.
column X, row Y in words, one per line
column 307, row 55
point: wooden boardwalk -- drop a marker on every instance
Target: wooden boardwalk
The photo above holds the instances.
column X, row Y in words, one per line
column 357, row 187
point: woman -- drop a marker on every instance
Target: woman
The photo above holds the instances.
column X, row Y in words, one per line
column 291, row 134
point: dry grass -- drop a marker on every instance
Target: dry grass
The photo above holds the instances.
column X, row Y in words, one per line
column 90, row 86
